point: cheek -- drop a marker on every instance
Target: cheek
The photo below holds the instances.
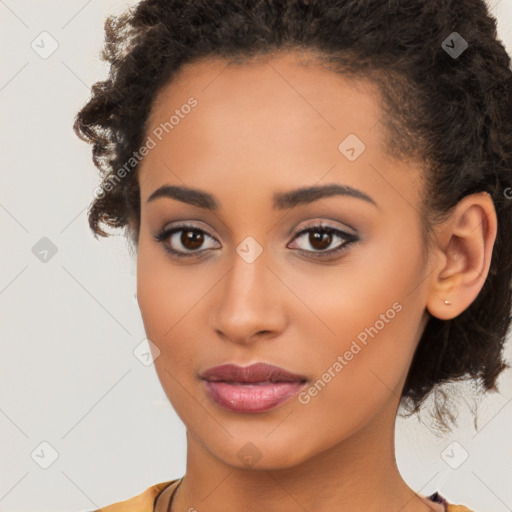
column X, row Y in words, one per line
column 363, row 368
column 364, row 291
column 171, row 299
column 165, row 292
column 166, row 300
column 366, row 312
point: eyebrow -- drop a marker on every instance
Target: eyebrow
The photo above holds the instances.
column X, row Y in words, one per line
column 281, row 200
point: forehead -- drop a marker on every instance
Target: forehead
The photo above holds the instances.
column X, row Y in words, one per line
column 283, row 113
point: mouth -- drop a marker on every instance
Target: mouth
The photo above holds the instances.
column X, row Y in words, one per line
column 251, row 397
column 255, row 373
column 251, row 389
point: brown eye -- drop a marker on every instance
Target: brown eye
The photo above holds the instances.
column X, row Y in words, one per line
column 320, row 238
column 191, row 239
column 184, row 241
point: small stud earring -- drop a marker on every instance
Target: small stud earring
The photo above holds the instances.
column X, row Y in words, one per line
column 447, row 302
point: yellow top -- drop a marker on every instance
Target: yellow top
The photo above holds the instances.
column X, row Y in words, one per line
column 145, row 502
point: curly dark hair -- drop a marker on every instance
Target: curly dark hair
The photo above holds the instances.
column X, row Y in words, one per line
column 452, row 113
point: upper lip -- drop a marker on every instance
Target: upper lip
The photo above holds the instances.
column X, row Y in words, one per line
column 258, row 372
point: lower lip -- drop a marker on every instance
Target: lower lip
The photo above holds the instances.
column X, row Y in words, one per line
column 252, row 397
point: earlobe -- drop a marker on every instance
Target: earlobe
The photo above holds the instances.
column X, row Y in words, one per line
column 465, row 241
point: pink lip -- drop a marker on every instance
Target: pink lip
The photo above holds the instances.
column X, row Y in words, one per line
column 255, row 388
column 258, row 372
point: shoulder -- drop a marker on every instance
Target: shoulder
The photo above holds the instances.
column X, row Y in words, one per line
column 449, row 507
column 143, row 502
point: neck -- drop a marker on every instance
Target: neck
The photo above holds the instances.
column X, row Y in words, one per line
column 360, row 473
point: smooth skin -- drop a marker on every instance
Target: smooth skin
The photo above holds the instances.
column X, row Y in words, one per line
column 260, row 128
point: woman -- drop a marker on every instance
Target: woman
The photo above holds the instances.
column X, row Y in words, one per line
column 319, row 194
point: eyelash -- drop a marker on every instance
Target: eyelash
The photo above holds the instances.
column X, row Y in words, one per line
column 347, row 237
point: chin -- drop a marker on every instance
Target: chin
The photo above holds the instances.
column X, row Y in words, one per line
column 259, row 452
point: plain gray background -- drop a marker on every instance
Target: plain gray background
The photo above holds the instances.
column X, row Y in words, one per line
column 70, row 324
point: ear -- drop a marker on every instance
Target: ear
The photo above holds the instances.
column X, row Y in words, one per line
column 463, row 248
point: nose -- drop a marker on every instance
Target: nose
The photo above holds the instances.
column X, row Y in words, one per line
column 249, row 304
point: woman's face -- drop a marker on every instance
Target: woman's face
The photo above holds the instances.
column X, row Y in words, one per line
column 252, row 288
